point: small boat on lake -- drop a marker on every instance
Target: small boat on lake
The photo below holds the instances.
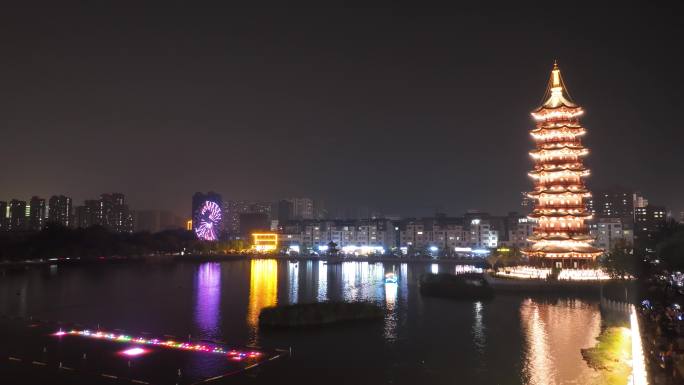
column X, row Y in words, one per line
column 391, row 278
column 462, row 286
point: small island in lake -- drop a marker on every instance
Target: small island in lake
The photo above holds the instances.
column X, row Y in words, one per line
column 316, row 314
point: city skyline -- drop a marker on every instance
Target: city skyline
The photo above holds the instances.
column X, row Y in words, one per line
column 198, row 192
column 358, row 116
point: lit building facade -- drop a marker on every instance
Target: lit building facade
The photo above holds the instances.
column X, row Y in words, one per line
column 4, row 216
column 612, row 203
column 17, row 215
column 439, row 235
column 59, row 210
column 37, row 214
column 315, row 234
column 265, row 242
column 302, row 208
column 114, row 213
column 648, row 221
column 88, row 214
column 519, row 232
column 235, row 208
column 110, row 212
column 610, row 232
column 561, row 237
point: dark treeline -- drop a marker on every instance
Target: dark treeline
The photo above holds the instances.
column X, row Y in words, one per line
column 57, row 241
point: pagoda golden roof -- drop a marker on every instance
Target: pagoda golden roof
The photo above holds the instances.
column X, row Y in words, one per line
column 556, row 95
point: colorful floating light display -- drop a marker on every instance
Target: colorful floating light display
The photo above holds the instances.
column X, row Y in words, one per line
column 561, row 237
column 233, row 354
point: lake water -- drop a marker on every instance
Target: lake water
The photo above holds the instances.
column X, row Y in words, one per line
column 512, row 339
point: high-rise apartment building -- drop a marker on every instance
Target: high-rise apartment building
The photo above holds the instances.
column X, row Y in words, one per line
column 302, row 208
column 235, row 208
column 114, row 213
column 60, row 210
column 612, row 203
column 4, row 216
column 154, row 221
column 110, row 212
column 17, row 215
column 647, row 223
column 37, row 214
column 611, row 231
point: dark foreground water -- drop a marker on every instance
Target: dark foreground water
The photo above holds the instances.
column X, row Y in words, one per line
column 508, row 340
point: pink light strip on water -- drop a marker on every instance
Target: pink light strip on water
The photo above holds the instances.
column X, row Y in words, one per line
column 233, row 354
column 134, row 352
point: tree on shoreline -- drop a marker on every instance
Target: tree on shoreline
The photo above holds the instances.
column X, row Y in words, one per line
column 671, row 251
column 56, row 241
column 621, row 261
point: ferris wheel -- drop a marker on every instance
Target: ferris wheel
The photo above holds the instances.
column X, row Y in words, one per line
column 208, row 219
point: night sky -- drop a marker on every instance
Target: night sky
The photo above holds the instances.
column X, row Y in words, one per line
column 401, row 110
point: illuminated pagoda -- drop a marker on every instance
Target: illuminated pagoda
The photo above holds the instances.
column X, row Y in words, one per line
column 561, row 237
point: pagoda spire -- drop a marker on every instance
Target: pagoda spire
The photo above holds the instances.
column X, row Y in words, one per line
column 556, row 94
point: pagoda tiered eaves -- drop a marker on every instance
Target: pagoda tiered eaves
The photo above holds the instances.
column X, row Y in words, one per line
column 561, row 234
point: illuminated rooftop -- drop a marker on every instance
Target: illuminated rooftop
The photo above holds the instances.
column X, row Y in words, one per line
column 556, row 94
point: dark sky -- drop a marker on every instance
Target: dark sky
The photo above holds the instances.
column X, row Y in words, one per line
column 403, row 110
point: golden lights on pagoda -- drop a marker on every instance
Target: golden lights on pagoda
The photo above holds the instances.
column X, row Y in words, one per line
column 561, row 237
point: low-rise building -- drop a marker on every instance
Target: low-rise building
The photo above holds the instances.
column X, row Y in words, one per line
column 611, row 231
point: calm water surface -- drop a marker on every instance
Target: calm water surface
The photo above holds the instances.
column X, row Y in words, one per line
column 508, row 340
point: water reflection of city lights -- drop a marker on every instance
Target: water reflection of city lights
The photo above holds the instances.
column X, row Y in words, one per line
column 293, row 281
column 208, row 299
column 554, row 336
column 391, row 311
column 538, row 361
column 478, row 328
column 391, row 295
column 322, row 281
column 263, row 289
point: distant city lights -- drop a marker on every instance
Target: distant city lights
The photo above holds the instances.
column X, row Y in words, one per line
column 528, row 272
column 464, row 269
column 363, row 250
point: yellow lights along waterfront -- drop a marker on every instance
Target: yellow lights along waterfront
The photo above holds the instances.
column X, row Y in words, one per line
column 561, row 237
column 265, row 242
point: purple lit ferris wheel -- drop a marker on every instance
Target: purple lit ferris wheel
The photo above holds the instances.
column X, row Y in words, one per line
column 208, row 221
